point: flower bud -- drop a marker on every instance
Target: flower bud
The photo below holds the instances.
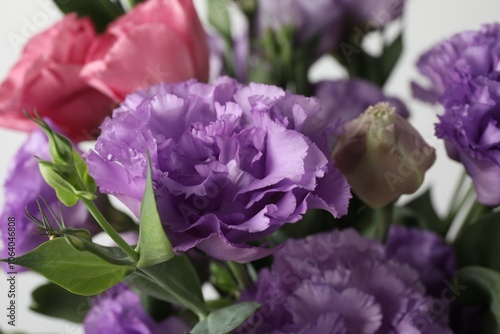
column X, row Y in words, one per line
column 382, row 156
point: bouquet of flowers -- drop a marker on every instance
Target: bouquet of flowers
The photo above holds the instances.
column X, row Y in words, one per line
column 257, row 200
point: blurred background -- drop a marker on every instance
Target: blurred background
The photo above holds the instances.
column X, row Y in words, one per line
column 425, row 23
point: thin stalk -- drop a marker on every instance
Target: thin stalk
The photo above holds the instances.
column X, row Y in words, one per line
column 452, row 214
column 240, row 274
column 476, row 210
column 106, row 226
column 454, row 208
column 383, row 221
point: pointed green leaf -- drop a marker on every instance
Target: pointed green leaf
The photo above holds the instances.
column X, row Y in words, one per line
column 102, row 12
column 53, row 301
column 226, row 319
column 219, row 18
column 222, row 278
column 480, row 286
column 153, row 246
column 174, row 281
column 479, row 244
column 390, row 58
column 420, row 212
column 81, row 273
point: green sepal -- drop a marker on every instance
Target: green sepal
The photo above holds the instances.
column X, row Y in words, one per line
column 67, row 173
column 226, row 319
column 82, row 171
column 82, row 273
column 81, row 240
column 51, row 173
column 153, row 246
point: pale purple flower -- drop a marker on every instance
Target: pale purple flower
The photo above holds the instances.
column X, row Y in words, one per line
column 373, row 13
column 319, row 21
column 457, row 62
column 325, row 23
column 119, row 311
column 344, row 100
column 23, row 186
column 464, row 74
column 424, row 251
column 340, row 282
column 231, row 163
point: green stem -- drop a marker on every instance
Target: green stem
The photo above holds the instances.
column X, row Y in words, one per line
column 240, row 273
column 476, row 210
column 200, row 310
column 454, row 208
column 383, row 221
column 94, row 211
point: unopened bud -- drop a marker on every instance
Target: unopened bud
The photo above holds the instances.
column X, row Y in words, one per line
column 382, row 156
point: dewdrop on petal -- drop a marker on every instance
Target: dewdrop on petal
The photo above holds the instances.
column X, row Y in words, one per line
column 382, row 156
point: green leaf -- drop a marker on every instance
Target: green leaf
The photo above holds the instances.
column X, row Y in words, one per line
column 153, row 246
column 420, row 213
column 479, row 244
column 481, row 286
column 173, row 281
column 360, row 64
column 53, row 301
column 390, row 58
column 219, row 18
column 101, row 12
column 81, row 273
column 222, row 278
column 226, row 319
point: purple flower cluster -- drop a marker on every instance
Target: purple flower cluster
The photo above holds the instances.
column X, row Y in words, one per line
column 119, row 311
column 231, row 163
column 464, row 74
column 324, row 21
column 24, row 185
column 341, row 282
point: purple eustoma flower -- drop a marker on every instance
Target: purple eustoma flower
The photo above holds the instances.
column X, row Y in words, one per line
column 344, row 100
column 341, row 282
column 23, row 186
column 425, row 252
column 119, row 311
column 324, row 23
column 231, row 163
column 319, row 21
column 464, row 77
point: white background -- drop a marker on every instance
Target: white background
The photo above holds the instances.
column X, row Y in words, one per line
column 426, row 22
